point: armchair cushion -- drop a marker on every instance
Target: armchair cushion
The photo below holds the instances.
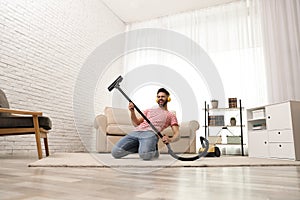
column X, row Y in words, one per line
column 3, row 103
column 24, row 122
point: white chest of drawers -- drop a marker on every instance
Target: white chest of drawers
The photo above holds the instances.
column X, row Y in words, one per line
column 277, row 134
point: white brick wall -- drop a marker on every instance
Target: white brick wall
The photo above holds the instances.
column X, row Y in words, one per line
column 43, row 45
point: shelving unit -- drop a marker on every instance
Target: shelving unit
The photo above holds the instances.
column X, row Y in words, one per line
column 221, row 126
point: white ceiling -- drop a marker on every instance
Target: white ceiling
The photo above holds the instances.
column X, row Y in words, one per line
column 140, row 10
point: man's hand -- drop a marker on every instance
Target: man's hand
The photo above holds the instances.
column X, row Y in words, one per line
column 166, row 139
column 131, row 106
column 134, row 119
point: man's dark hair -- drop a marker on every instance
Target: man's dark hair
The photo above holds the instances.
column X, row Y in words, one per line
column 164, row 91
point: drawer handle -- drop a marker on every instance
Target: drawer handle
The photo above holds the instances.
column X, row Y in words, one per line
column 265, row 142
column 279, row 133
column 269, row 117
column 279, row 145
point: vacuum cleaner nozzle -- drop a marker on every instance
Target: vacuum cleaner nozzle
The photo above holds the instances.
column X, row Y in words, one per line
column 115, row 83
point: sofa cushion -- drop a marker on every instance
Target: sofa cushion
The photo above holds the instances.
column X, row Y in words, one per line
column 188, row 127
column 119, row 129
column 117, row 116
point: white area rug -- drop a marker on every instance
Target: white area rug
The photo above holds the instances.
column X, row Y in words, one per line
column 165, row 160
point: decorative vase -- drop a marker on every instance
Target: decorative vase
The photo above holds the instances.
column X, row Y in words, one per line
column 214, row 103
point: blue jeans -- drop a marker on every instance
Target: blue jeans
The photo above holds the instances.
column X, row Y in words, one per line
column 142, row 142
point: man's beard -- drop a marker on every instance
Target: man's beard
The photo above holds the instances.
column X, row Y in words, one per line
column 163, row 104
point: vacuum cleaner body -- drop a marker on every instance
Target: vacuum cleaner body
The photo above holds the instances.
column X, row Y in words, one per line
column 213, row 151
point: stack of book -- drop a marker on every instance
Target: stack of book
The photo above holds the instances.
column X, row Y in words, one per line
column 232, row 102
column 216, row 120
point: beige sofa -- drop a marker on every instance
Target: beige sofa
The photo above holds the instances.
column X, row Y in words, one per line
column 115, row 123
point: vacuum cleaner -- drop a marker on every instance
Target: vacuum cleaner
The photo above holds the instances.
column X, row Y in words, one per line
column 204, row 141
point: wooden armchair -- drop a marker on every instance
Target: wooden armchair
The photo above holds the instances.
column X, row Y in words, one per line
column 21, row 122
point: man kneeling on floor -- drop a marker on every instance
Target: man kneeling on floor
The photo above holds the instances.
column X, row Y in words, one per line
column 143, row 139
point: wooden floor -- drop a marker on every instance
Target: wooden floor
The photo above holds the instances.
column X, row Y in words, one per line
column 17, row 181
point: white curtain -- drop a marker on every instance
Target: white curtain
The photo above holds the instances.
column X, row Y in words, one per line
column 230, row 34
column 281, row 34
